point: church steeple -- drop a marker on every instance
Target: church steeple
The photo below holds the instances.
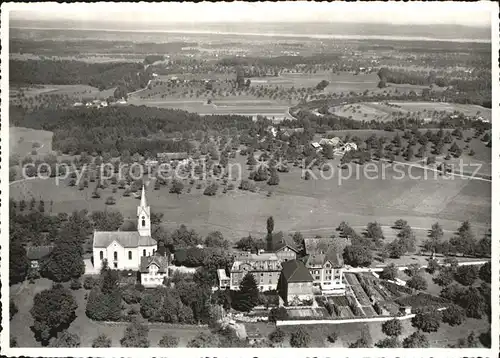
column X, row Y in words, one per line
column 143, row 216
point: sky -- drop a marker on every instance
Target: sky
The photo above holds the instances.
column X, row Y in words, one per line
column 421, row 13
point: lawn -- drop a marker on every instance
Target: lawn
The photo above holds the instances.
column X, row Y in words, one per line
column 22, row 141
column 86, row 329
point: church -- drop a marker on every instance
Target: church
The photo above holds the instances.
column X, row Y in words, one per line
column 124, row 250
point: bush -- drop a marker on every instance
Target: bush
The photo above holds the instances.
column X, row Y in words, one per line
column 211, row 190
column 466, row 275
column 278, row 314
column 75, row 284
column 332, row 337
column 432, row 266
column 90, row 282
column 417, row 282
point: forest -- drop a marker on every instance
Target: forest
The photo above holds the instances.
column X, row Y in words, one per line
column 101, row 75
column 137, row 129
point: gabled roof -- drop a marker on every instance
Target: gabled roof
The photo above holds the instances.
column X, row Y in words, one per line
column 160, row 261
column 320, row 259
column 295, row 271
column 38, row 252
column 281, row 240
column 124, row 238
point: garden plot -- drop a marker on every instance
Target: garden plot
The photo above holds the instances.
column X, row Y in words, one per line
column 306, row 312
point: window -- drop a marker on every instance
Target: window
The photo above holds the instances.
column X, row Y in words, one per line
column 316, row 278
column 115, row 265
column 115, row 256
column 154, row 251
column 327, row 265
column 143, row 252
column 130, row 255
column 328, row 278
column 270, row 282
column 328, row 272
column 262, row 274
column 101, row 255
column 143, row 221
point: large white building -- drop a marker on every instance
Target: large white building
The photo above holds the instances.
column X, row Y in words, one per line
column 124, row 249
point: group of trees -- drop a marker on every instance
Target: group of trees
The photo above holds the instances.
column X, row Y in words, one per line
column 101, row 75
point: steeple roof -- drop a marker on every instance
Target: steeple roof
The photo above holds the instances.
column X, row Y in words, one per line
column 143, row 198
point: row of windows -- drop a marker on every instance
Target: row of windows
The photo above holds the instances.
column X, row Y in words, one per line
column 115, row 255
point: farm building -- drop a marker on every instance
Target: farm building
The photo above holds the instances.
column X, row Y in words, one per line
column 295, row 283
column 348, row 147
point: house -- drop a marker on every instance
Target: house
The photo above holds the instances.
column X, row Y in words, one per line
column 316, row 145
column 104, row 104
column 324, row 261
column 283, row 246
column 349, row 146
column 36, row 253
column 167, row 157
column 223, row 279
column 334, row 142
column 326, row 269
column 153, row 270
column 295, row 283
column 265, row 267
column 78, row 104
column 123, row 249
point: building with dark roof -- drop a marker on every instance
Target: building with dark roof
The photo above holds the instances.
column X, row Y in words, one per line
column 153, row 270
column 37, row 253
column 123, row 249
column 283, row 246
column 325, row 263
column 295, row 283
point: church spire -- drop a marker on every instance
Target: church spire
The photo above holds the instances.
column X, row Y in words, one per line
column 143, row 216
column 143, row 197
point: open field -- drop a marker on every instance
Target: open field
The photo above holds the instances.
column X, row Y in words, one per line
column 76, row 92
column 315, row 207
column 23, row 140
column 382, row 112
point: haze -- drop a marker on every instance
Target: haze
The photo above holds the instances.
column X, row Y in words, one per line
column 475, row 14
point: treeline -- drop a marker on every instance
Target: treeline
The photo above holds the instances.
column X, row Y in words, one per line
column 284, row 61
column 71, row 47
column 137, row 129
column 132, row 76
column 153, row 58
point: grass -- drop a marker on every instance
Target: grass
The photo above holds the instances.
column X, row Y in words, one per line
column 86, row 329
column 378, row 111
column 22, row 141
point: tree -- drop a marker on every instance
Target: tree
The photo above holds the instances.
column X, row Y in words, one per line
column 412, row 270
column 374, row 231
column 435, row 235
column 328, row 152
column 168, row 341
column 390, row 342
column 432, row 266
column 248, row 295
column 277, row 314
column 485, row 272
column 109, row 220
column 211, row 189
column 203, row 340
column 300, row 338
column 215, row 239
column 416, row 340
column 453, row 315
column 176, row 187
column 277, row 336
column 400, row 224
column 64, row 263
column 417, row 282
column 12, row 308
column 427, row 321
column 364, row 341
column 466, row 275
column 66, row 339
column 102, row 341
column 473, row 302
column 18, row 263
column 270, row 225
column 273, row 177
column 392, row 328
column 358, row 255
column 389, row 272
column 445, row 276
column 136, row 335
column 483, row 247
column 464, row 241
column 53, row 310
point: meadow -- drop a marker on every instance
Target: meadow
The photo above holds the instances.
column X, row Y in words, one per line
column 378, row 111
column 22, row 141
